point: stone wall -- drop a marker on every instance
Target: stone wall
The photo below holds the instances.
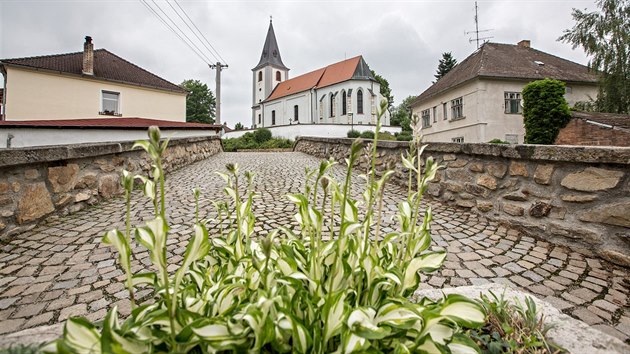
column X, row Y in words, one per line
column 575, row 196
column 37, row 182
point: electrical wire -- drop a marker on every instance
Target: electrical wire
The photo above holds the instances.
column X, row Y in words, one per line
column 201, row 33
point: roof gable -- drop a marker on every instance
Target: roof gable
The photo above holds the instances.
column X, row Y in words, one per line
column 497, row 60
column 353, row 68
column 107, row 66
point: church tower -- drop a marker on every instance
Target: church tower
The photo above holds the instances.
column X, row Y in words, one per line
column 269, row 72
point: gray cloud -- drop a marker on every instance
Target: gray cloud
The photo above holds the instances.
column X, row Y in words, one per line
column 401, row 40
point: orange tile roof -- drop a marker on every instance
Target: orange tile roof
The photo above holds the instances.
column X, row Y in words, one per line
column 329, row 75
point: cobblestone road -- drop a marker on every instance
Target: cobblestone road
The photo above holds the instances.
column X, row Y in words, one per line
column 61, row 269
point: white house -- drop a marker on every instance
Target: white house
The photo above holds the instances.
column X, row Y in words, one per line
column 343, row 93
column 480, row 98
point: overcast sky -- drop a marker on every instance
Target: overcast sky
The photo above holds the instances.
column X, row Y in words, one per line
column 400, row 40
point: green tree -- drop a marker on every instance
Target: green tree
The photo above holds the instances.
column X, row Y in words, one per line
column 445, row 65
column 605, row 36
column 238, row 126
column 545, row 111
column 400, row 114
column 386, row 92
column 200, row 102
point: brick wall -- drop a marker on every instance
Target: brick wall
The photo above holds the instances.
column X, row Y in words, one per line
column 580, row 132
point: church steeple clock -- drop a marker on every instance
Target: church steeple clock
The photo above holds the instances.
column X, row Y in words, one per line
column 269, row 72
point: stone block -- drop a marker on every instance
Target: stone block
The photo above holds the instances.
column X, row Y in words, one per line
column 575, row 233
column 87, row 180
column 476, row 167
column 484, row 206
column 80, row 197
column 578, row 198
column 459, row 163
column 487, row 181
column 465, row 203
column 459, row 175
column 516, row 196
column 31, row 173
column 592, row 179
column 518, row 169
column 540, row 209
column 63, row 200
column 453, row 187
column 449, row 157
column 543, row 174
column 497, row 170
column 615, row 257
column 513, row 209
column 617, row 214
column 34, row 203
column 4, row 187
column 109, row 185
column 477, row 190
column 63, row 178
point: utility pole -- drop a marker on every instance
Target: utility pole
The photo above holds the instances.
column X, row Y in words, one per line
column 477, row 31
column 219, row 67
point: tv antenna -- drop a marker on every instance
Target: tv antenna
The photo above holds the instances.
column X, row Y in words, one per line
column 477, row 30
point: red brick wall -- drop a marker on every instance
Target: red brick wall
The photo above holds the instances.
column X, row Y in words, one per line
column 579, row 132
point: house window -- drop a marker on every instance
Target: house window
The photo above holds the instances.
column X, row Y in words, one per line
column 273, row 117
column 344, row 102
column 332, row 105
column 259, row 76
column 360, row 102
column 295, row 112
column 426, row 118
column 513, row 103
column 457, row 108
column 111, row 102
column 278, row 76
column 459, row 139
column 445, row 111
column 435, row 114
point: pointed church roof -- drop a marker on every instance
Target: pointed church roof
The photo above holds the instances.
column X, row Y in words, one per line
column 353, row 68
column 271, row 53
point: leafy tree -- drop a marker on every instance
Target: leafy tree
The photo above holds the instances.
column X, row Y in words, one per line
column 545, row 111
column 239, row 126
column 386, row 92
column 400, row 115
column 605, row 36
column 445, row 65
column 200, row 102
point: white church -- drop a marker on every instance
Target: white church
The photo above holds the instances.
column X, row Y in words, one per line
column 338, row 97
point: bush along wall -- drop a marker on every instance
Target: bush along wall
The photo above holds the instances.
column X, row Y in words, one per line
column 545, row 111
column 259, row 139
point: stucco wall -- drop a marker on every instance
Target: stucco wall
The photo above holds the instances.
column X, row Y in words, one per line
column 575, row 196
column 484, row 111
column 38, row 182
column 37, row 95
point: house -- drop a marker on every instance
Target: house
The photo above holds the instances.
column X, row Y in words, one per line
column 88, row 84
column 480, row 98
column 344, row 93
column 593, row 128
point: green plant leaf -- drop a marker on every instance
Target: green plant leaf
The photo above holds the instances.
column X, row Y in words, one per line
column 427, row 262
column 81, row 336
column 463, row 310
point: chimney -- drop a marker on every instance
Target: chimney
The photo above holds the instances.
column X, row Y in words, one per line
column 525, row 43
column 88, row 56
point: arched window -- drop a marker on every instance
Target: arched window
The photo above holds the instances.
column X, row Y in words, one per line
column 278, row 76
column 296, row 113
column 332, row 105
column 344, row 103
column 360, row 101
column 273, row 117
column 259, row 76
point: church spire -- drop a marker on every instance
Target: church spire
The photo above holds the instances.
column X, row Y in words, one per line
column 271, row 53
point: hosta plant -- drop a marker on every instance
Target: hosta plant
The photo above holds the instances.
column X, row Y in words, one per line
column 336, row 284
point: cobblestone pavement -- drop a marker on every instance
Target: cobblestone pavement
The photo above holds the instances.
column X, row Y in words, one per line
column 61, row 269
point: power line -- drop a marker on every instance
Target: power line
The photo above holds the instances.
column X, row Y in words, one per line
column 220, row 58
column 173, row 30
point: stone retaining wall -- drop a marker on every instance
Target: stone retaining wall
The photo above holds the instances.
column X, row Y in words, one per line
column 570, row 195
column 37, row 182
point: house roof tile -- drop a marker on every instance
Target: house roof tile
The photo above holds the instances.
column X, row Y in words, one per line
column 107, row 66
column 497, row 60
column 108, row 123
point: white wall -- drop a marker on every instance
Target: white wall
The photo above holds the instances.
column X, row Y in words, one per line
column 319, row 130
column 37, row 95
column 25, row 137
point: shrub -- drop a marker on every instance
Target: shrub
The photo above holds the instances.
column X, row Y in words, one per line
column 368, row 134
column 545, row 111
column 353, row 134
column 277, row 143
column 261, row 135
column 404, row 136
column 331, row 285
column 497, row 141
column 386, row 136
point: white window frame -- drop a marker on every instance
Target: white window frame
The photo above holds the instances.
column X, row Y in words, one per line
column 511, row 98
column 457, row 108
column 117, row 111
column 426, row 118
column 458, row 139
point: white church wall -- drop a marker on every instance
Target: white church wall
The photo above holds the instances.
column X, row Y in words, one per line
column 370, row 105
column 284, row 109
column 319, row 130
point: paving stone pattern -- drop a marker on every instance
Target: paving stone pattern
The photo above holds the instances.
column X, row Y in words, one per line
column 60, row 268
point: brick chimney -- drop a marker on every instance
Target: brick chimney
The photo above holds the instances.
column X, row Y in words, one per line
column 525, row 43
column 88, row 56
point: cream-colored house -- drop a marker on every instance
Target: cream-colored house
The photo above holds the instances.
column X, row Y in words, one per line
column 480, row 98
column 88, row 84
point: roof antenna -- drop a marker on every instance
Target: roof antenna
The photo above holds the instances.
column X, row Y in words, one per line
column 477, row 30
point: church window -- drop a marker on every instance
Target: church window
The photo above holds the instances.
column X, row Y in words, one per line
column 259, row 76
column 295, row 112
column 344, row 103
column 278, row 76
column 332, row 105
column 360, row 102
column 259, row 119
column 273, row 117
